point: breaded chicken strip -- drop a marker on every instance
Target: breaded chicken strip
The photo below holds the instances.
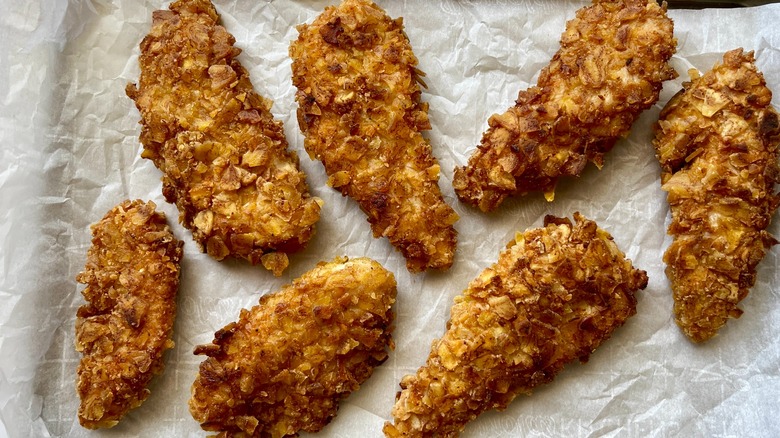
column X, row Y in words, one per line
column 287, row 363
column 555, row 295
column 360, row 110
column 132, row 276
column 610, row 68
column 224, row 158
column 717, row 142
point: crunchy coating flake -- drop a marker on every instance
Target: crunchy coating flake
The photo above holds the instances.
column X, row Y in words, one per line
column 360, row 110
column 717, row 143
column 610, row 67
column 555, row 295
column 287, row 362
column 132, row 277
column 224, row 158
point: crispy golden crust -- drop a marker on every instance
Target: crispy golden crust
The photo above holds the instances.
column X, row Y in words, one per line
column 224, row 158
column 286, row 364
column 360, row 110
column 555, row 295
column 610, row 67
column 717, row 142
column 132, row 276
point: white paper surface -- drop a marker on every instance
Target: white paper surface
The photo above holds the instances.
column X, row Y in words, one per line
column 70, row 152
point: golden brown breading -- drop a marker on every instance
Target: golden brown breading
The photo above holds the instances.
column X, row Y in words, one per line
column 132, row 276
column 555, row 295
column 287, row 362
column 610, row 67
column 360, row 110
column 224, row 158
column 717, row 142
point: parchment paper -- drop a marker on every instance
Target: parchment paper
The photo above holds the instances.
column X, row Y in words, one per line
column 70, row 152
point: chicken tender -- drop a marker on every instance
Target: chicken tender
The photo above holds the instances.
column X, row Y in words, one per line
column 360, row 110
column 610, row 67
column 224, row 158
column 287, row 363
column 555, row 295
column 132, row 277
column 717, row 143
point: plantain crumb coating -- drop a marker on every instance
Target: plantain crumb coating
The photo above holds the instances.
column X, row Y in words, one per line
column 717, row 143
column 132, row 277
column 286, row 364
column 555, row 294
column 610, row 67
column 224, row 158
column 360, row 110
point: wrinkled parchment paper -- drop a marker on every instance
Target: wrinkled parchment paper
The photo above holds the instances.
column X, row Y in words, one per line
column 70, row 152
